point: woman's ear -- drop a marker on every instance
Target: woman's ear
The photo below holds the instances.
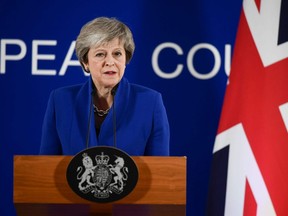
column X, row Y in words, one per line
column 85, row 67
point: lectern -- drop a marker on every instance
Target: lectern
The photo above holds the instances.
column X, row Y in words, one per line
column 41, row 188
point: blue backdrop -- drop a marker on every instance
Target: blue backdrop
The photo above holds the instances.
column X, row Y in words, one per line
column 183, row 50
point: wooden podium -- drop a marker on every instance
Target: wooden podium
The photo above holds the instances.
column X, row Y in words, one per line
column 40, row 188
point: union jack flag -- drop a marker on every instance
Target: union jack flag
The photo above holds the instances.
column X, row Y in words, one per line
column 249, row 173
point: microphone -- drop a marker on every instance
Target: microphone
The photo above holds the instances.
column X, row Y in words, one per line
column 89, row 118
column 113, row 93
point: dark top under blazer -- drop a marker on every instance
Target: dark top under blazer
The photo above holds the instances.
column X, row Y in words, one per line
column 141, row 121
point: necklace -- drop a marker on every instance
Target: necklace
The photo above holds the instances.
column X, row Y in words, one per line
column 100, row 112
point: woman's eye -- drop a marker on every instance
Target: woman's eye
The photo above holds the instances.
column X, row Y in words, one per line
column 118, row 53
column 100, row 55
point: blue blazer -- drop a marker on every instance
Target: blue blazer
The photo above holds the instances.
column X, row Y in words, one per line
column 142, row 126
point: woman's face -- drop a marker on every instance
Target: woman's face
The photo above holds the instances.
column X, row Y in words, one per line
column 106, row 64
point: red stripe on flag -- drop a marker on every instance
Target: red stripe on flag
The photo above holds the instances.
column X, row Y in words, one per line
column 258, row 4
column 250, row 205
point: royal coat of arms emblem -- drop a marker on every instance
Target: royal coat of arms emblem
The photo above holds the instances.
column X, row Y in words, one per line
column 102, row 174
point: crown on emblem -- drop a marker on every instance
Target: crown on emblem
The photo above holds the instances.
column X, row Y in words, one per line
column 102, row 159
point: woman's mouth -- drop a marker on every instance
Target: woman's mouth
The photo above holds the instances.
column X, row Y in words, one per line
column 110, row 72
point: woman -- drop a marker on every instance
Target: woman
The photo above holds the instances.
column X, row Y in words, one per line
column 128, row 116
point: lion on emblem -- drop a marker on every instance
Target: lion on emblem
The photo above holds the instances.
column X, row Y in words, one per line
column 87, row 174
column 119, row 175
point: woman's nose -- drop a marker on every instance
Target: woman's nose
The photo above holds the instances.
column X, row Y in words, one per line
column 109, row 63
column 109, row 60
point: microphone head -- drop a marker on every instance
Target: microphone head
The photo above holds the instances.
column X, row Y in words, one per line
column 114, row 90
